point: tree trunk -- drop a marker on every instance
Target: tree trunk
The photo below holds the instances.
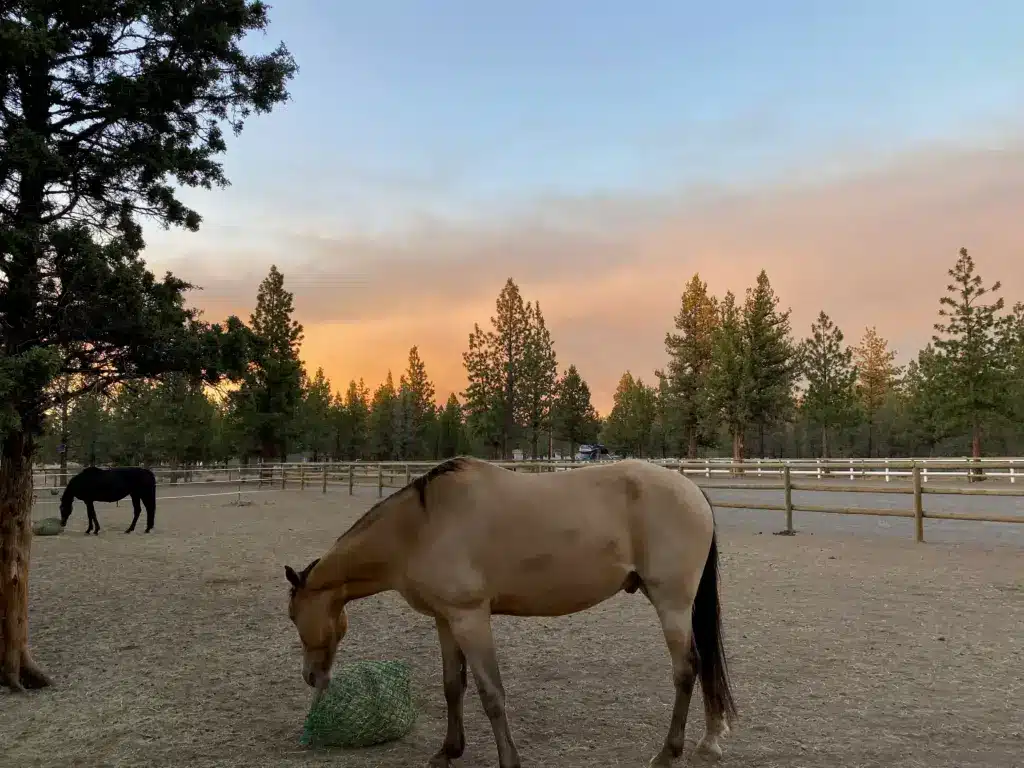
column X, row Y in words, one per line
column 760, row 440
column 871, row 433
column 64, row 440
column 976, row 451
column 691, row 448
column 737, row 449
column 17, row 669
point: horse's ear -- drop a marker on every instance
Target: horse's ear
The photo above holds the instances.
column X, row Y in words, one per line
column 292, row 576
column 306, row 571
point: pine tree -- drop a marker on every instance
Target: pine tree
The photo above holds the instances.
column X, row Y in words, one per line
column 728, row 383
column 631, row 419
column 877, row 375
column 574, row 417
column 494, row 367
column 354, row 422
column 416, row 394
column 269, row 399
column 923, row 395
column 184, row 418
column 690, row 351
column 771, row 363
column 1011, row 344
column 89, row 430
column 451, row 438
column 830, row 399
column 968, row 350
column 381, row 423
column 105, row 108
column 317, row 433
column 538, row 378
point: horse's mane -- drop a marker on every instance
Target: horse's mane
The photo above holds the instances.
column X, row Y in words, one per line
column 419, row 486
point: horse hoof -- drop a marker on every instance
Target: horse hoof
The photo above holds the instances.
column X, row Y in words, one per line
column 710, row 749
column 439, row 761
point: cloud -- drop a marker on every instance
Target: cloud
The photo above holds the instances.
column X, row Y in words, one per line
column 871, row 248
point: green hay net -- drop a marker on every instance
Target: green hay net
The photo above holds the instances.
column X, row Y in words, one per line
column 48, row 526
column 366, row 703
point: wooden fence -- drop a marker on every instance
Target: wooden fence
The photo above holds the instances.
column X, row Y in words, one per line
column 784, row 476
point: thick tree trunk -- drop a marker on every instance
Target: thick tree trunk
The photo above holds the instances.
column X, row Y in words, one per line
column 17, row 669
column 691, row 448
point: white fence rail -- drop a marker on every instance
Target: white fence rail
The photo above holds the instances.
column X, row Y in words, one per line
column 932, row 469
column 786, row 477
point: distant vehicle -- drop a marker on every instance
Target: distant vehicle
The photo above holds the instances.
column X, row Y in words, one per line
column 594, row 452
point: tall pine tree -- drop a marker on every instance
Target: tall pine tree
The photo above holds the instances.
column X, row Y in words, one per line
column 877, row 376
column 316, row 427
column 494, row 370
column 353, row 415
column 575, row 419
column 689, row 366
column 771, row 363
column 267, row 403
column 381, row 423
column 106, row 110
column 970, row 357
column 728, row 385
column 830, row 399
column 538, row 379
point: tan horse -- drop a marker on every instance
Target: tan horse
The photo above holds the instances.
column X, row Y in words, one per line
column 469, row 540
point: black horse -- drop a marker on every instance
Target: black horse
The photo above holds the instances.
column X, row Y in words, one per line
column 95, row 484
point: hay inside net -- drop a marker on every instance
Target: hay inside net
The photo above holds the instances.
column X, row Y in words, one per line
column 366, row 703
column 48, row 526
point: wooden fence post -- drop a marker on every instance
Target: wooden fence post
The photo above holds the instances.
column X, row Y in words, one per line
column 302, row 477
column 408, row 474
column 918, row 506
column 380, row 481
column 284, row 476
column 788, row 487
column 351, row 479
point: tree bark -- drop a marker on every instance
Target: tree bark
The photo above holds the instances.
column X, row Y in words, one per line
column 691, row 448
column 737, row 450
column 976, row 451
column 17, row 669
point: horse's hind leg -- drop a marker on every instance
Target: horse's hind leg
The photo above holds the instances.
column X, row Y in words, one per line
column 136, row 511
column 472, row 632
column 674, row 613
column 150, row 501
column 94, row 522
column 453, row 663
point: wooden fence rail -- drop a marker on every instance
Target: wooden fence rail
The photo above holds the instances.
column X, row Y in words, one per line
column 738, row 476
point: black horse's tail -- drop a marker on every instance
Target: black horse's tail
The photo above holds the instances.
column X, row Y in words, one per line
column 707, row 636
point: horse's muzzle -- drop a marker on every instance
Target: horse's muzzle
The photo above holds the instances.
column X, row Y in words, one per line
column 315, row 678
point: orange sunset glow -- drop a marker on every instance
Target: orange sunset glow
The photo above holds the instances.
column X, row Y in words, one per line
column 871, row 249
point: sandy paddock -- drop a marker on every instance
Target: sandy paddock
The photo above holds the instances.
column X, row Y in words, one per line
column 174, row 649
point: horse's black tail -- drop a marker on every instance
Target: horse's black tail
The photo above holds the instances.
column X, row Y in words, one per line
column 707, row 636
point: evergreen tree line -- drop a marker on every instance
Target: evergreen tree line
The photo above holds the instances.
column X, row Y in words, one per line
column 736, row 383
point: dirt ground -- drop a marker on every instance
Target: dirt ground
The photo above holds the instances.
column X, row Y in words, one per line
column 175, row 649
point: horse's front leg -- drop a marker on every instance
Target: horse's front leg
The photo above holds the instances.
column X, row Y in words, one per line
column 472, row 632
column 453, row 665
column 137, row 507
column 94, row 522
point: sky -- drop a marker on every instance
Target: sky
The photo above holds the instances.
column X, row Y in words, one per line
column 600, row 156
